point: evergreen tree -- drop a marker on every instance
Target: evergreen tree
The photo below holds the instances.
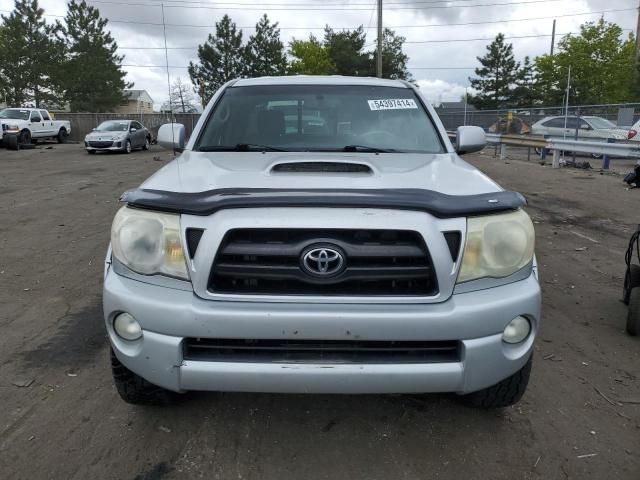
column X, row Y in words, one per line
column 345, row 48
column 497, row 77
column 93, row 77
column 526, row 92
column 264, row 52
column 31, row 56
column 221, row 58
column 310, row 57
column 394, row 60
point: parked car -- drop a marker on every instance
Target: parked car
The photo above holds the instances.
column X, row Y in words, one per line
column 360, row 257
column 119, row 136
column 20, row 126
column 632, row 134
column 589, row 127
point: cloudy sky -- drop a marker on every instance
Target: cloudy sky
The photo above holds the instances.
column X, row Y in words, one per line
column 439, row 33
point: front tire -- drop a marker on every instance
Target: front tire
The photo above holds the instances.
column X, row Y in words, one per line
column 24, row 138
column 633, row 314
column 91, row 152
column 631, row 281
column 506, row 393
column 136, row 390
column 127, row 147
column 147, row 142
column 62, row 135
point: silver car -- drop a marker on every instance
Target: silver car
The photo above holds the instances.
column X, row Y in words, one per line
column 119, row 136
column 341, row 254
column 589, row 127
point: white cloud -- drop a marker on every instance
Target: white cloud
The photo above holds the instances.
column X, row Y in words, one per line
column 438, row 91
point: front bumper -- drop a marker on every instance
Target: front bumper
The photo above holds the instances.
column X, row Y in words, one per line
column 114, row 146
column 167, row 315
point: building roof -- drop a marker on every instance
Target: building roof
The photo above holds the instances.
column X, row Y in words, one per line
column 320, row 80
column 135, row 94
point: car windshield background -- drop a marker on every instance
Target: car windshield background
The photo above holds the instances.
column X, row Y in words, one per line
column 113, row 126
column 321, row 118
column 15, row 114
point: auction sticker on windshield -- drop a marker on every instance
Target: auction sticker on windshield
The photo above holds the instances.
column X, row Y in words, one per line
column 392, row 104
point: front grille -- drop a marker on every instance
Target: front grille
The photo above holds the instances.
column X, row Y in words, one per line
column 100, row 144
column 320, row 351
column 376, row 262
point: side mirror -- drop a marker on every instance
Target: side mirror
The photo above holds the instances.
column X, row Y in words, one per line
column 470, row 139
column 133, row 129
column 93, row 129
column 171, row 136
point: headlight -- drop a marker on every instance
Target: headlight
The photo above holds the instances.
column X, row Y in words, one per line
column 149, row 242
column 497, row 246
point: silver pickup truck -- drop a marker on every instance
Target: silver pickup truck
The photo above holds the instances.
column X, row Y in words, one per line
column 321, row 235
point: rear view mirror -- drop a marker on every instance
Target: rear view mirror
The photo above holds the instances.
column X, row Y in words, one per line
column 171, row 136
column 470, row 139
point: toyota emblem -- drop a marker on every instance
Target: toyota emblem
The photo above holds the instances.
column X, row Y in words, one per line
column 322, row 261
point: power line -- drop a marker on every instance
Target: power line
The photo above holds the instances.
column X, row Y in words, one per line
column 330, row 8
column 427, row 25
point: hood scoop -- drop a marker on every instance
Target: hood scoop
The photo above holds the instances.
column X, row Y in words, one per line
column 322, row 167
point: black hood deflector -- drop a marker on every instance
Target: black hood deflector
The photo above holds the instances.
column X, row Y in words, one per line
column 437, row 204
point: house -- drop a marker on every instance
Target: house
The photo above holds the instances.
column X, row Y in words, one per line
column 135, row 101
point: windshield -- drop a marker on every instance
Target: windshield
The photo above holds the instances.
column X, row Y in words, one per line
column 15, row 114
column 320, row 118
column 114, row 126
column 599, row 123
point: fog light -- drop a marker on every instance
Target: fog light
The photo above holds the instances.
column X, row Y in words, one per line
column 517, row 330
column 127, row 327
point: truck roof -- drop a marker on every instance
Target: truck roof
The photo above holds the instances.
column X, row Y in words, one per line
column 320, row 80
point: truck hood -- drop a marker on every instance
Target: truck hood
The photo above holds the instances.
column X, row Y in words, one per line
column 199, row 172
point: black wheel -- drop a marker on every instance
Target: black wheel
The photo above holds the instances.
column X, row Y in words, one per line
column 91, row 152
column 24, row 137
column 127, row 147
column 11, row 142
column 631, row 281
column 62, row 135
column 503, row 394
column 147, row 142
column 136, row 390
column 633, row 314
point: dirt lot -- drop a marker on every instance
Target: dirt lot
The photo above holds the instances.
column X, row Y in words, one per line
column 579, row 419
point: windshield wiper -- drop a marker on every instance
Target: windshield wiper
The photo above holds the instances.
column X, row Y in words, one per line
column 241, row 147
column 366, row 148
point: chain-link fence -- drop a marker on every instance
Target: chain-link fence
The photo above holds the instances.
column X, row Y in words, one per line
column 622, row 114
column 83, row 123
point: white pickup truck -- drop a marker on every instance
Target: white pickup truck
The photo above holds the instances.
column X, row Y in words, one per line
column 19, row 126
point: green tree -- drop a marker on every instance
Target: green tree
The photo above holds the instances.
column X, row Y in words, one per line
column 394, row 60
column 265, row 53
column 93, row 75
column 497, row 77
column 602, row 65
column 526, row 93
column 221, row 58
column 310, row 57
column 32, row 56
column 346, row 50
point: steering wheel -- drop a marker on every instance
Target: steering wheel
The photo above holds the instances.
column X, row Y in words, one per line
column 379, row 134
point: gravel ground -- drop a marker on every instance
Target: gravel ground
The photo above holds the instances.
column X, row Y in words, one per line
column 60, row 415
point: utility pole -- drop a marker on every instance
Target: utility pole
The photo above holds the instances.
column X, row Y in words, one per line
column 379, row 57
column 553, row 35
